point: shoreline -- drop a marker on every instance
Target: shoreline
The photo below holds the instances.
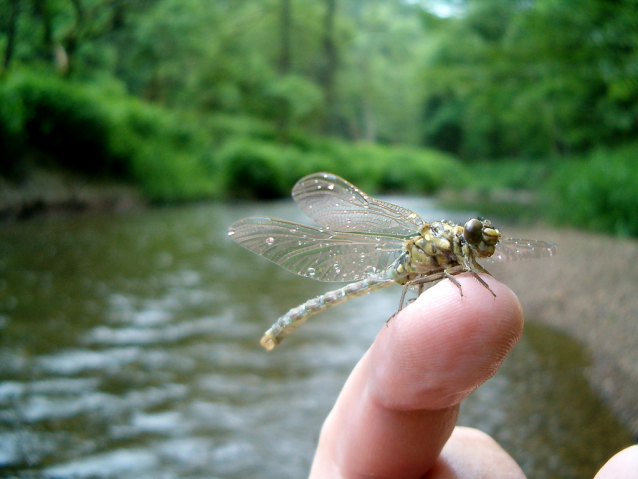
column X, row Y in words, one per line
column 46, row 192
column 588, row 291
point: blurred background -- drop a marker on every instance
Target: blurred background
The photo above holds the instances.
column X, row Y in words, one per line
column 195, row 99
column 129, row 341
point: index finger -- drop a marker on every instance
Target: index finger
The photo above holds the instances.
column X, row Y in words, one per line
column 400, row 404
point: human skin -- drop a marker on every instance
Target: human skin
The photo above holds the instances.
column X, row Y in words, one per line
column 396, row 415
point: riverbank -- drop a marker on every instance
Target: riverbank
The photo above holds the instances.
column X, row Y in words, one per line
column 589, row 291
column 55, row 193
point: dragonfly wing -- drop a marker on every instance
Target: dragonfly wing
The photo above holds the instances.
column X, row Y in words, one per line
column 316, row 253
column 509, row 249
column 337, row 204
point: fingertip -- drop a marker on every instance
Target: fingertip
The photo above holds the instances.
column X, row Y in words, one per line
column 623, row 465
column 400, row 404
column 444, row 345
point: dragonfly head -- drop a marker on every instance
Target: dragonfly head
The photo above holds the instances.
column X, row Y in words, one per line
column 482, row 236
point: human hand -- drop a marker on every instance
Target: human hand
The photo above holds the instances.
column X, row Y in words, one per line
column 396, row 415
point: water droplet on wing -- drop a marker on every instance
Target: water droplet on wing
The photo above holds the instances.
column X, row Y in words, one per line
column 370, row 270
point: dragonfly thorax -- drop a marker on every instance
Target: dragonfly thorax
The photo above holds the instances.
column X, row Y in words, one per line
column 443, row 245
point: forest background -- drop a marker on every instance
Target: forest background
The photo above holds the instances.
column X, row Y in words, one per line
column 531, row 103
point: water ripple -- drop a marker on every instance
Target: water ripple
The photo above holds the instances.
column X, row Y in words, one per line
column 108, row 464
column 76, row 361
column 145, row 336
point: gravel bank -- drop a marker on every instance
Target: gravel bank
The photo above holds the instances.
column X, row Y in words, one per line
column 589, row 290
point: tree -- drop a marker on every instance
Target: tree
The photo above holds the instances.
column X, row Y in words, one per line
column 380, row 84
column 533, row 79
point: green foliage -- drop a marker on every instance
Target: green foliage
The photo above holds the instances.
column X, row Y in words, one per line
column 496, row 80
column 598, row 192
column 533, row 79
column 252, row 169
column 11, row 129
column 198, row 99
column 293, row 100
column 168, row 153
column 45, row 115
column 380, row 81
column 218, row 56
column 258, row 169
column 379, row 168
column 98, row 129
column 515, row 174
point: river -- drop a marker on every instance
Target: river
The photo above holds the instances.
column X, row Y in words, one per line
column 129, row 348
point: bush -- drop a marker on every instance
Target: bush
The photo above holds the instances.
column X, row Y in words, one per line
column 415, row 171
column 516, row 173
column 55, row 121
column 258, row 169
column 252, row 169
column 99, row 130
column 224, row 126
column 379, row 168
column 169, row 155
column 12, row 141
column 599, row 192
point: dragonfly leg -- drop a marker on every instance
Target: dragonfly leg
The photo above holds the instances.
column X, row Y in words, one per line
column 404, row 292
column 474, row 268
column 448, row 273
column 453, row 279
column 480, row 268
column 477, row 268
column 428, row 279
column 480, row 280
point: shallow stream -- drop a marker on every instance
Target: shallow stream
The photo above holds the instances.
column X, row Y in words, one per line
column 129, row 349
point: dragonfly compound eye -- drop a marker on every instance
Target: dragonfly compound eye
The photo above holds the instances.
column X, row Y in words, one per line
column 473, row 231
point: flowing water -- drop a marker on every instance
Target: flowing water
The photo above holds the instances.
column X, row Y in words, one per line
column 129, row 349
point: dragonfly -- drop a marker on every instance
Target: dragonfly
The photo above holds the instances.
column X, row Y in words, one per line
column 371, row 244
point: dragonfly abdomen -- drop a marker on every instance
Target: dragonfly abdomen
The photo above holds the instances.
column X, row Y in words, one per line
column 296, row 316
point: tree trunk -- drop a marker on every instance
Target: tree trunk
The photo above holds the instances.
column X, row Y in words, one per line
column 74, row 37
column 286, row 27
column 41, row 10
column 327, row 75
column 14, row 13
column 369, row 123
